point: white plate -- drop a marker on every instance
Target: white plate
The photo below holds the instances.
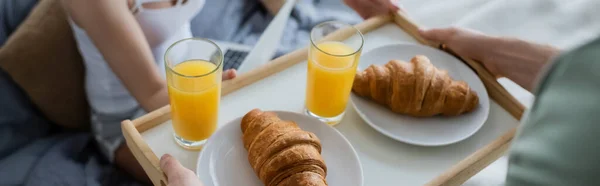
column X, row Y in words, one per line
column 224, row 161
column 432, row 131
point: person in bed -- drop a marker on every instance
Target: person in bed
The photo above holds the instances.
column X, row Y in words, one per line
column 556, row 143
column 122, row 43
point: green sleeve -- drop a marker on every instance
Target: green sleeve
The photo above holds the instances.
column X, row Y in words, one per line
column 558, row 143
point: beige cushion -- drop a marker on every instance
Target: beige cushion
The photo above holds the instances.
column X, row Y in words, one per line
column 42, row 58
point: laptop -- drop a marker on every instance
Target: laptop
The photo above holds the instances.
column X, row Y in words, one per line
column 233, row 53
column 245, row 58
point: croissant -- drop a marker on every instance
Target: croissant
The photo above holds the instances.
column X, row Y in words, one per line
column 281, row 153
column 417, row 88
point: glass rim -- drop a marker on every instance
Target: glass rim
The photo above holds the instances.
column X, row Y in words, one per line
column 169, row 68
column 362, row 39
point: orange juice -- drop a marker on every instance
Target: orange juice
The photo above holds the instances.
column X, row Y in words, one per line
column 331, row 73
column 194, row 100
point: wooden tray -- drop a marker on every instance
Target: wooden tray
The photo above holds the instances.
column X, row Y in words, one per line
column 454, row 174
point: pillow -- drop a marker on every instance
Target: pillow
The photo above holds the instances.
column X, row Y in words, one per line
column 42, row 58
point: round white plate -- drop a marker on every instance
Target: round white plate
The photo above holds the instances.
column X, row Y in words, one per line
column 224, row 161
column 432, row 131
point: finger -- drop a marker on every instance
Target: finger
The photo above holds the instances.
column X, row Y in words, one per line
column 229, row 74
column 437, row 34
column 172, row 168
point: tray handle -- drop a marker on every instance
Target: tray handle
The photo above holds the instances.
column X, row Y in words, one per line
column 144, row 155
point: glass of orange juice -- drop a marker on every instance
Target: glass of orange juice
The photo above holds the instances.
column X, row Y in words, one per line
column 193, row 69
column 332, row 64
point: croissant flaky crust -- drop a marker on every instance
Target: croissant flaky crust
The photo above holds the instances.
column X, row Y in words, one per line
column 281, row 153
column 417, row 88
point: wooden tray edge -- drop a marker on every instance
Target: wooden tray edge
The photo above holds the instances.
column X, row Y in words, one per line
column 143, row 153
column 132, row 129
column 468, row 167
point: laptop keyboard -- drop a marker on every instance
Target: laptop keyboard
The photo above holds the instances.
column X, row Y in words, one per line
column 233, row 59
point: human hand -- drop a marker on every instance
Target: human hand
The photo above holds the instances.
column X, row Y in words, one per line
column 176, row 173
column 519, row 60
column 371, row 8
column 466, row 43
column 229, row 74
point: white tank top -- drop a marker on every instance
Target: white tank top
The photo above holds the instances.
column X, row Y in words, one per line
column 162, row 27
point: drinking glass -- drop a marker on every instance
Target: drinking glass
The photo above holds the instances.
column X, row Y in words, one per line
column 332, row 64
column 193, row 69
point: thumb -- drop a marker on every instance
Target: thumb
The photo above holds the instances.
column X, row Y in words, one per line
column 171, row 167
column 440, row 35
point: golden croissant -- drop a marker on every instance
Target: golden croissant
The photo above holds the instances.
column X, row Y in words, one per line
column 281, row 153
column 417, row 88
